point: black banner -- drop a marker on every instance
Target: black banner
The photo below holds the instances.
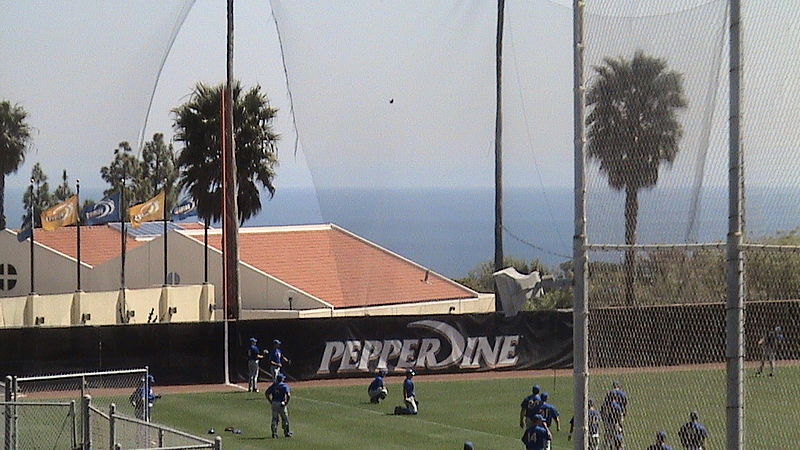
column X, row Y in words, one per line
column 358, row 346
column 192, row 353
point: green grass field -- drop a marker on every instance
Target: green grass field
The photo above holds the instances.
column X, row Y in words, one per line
column 486, row 412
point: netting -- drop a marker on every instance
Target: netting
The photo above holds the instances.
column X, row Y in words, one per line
column 134, row 434
column 657, row 215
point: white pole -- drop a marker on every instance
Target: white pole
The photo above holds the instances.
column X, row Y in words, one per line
column 734, row 308
column 580, row 309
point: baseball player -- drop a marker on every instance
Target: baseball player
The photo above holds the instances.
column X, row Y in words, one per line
column 277, row 359
column 253, row 357
column 660, row 443
column 537, row 436
column 529, row 407
column 693, row 434
column 409, row 396
column 143, row 398
column 549, row 414
column 279, row 395
column 377, row 389
column 593, row 424
column 612, row 414
column 769, row 344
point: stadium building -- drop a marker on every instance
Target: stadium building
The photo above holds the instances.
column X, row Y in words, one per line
column 284, row 271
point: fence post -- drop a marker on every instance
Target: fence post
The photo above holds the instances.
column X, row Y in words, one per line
column 218, row 443
column 86, row 401
column 74, row 424
column 7, row 414
column 14, row 390
column 112, row 429
column 160, row 437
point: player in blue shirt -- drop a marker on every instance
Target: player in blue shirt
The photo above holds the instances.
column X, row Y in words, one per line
column 279, row 395
column 612, row 414
column 409, row 396
column 693, row 434
column 549, row 414
column 661, row 442
column 593, row 425
column 277, row 359
column 537, row 436
column 253, row 357
column 143, row 398
column 529, row 407
column 377, row 389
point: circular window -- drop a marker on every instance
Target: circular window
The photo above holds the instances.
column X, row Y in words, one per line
column 8, row 277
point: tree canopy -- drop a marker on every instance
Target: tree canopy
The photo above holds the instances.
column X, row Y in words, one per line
column 15, row 137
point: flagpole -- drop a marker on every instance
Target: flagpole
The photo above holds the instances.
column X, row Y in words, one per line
column 33, row 226
column 165, row 232
column 205, row 251
column 78, row 236
column 122, row 212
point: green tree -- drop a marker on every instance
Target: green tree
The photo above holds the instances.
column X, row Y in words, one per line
column 632, row 130
column 159, row 169
column 37, row 195
column 198, row 125
column 15, row 136
column 127, row 164
column 64, row 190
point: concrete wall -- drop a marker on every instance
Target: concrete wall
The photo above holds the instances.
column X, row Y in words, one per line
column 49, row 310
column 12, row 311
column 96, row 308
column 142, row 305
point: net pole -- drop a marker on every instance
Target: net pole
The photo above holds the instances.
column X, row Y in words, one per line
column 580, row 260
column 734, row 310
column 498, row 151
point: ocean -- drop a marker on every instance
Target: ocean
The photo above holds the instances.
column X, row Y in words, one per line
column 451, row 231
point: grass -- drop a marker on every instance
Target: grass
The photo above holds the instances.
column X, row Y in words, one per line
column 486, row 412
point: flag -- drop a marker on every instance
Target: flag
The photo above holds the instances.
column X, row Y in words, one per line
column 26, row 231
column 61, row 215
column 107, row 210
column 187, row 207
column 148, row 211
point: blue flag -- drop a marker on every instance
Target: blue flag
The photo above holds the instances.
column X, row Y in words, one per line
column 26, row 231
column 107, row 210
column 187, row 207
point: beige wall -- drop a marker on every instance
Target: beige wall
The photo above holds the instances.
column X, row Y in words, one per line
column 12, row 311
column 142, row 305
column 103, row 307
column 49, row 310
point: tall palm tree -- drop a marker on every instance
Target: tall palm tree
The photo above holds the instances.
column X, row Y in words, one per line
column 632, row 130
column 198, row 126
column 15, row 136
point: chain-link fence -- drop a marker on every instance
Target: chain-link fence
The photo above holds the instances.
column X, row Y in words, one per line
column 39, row 425
column 130, row 433
column 687, row 203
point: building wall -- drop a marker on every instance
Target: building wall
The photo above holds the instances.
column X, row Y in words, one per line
column 54, row 272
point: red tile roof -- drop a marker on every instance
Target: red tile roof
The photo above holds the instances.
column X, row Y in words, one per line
column 99, row 243
column 339, row 268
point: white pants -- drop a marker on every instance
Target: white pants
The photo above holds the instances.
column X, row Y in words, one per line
column 379, row 393
column 252, row 374
column 411, row 404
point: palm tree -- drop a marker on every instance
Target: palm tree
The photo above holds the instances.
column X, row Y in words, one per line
column 198, row 126
column 15, row 135
column 632, row 129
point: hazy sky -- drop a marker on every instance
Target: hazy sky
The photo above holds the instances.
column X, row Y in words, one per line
column 387, row 94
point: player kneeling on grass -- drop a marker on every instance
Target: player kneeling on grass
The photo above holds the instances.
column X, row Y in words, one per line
column 279, row 395
column 537, row 436
column 377, row 390
column 409, row 396
column 661, row 442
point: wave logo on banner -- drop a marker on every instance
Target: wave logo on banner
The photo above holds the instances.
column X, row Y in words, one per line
column 148, row 211
column 61, row 215
column 467, row 352
column 104, row 211
column 187, row 207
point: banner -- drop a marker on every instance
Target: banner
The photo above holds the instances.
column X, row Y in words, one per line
column 26, row 231
column 107, row 210
column 358, row 346
column 185, row 208
column 148, row 211
column 61, row 215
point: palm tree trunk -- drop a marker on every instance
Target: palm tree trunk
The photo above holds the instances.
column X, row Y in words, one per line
column 2, row 201
column 631, row 221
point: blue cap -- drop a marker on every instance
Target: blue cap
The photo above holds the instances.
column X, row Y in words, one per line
column 253, row 340
column 281, row 377
column 536, row 389
column 469, row 446
column 544, row 396
column 410, row 372
column 537, row 398
column 276, row 342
